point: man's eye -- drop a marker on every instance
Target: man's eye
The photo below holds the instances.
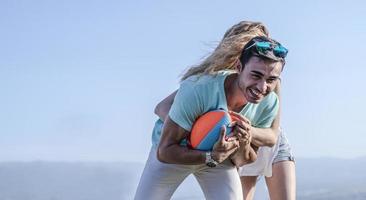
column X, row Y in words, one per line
column 270, row 80
column 255, row 76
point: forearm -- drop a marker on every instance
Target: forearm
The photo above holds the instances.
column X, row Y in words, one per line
column 264, row 136
column 170, row 150
column 176, row 154
column 268, row 136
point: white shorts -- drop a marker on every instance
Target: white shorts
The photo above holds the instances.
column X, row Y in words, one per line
column 160, row 180
column 267, row 156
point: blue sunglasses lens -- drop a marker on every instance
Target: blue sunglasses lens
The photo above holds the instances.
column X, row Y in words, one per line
column 280, row 51
column 263, row 47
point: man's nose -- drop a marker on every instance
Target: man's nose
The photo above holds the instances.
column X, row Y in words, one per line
column 262, row 86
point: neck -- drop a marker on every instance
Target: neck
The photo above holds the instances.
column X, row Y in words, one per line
column 234, row 96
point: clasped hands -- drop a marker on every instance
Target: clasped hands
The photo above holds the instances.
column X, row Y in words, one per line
column 237, row 145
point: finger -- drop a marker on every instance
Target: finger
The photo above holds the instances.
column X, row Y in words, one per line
column 232, row 150
column 232, row 124
column 232, row 138
column 243, row 137
column 244, row 133
column 247, row 152
column 244, row 125
column 238, row 116
column 240, row 130
column 234, row 118
column 231, row 144
column 236, row 143
column 227, row 147
column 222, row 134
column 241, row 133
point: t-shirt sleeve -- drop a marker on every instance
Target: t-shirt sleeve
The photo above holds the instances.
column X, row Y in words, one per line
column 269, row 111
column 186, row 107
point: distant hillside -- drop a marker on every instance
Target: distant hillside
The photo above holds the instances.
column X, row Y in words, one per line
column 331, row 178
column 318, row 179
column 67, row 181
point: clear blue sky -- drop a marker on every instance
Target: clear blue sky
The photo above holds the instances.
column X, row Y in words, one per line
column 79, row 79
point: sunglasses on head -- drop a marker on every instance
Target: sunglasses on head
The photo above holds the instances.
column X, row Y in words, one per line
column 265, row 46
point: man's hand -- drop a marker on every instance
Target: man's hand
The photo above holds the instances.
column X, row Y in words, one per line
column 223, row 148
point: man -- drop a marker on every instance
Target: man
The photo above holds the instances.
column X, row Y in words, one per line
column 247, row 91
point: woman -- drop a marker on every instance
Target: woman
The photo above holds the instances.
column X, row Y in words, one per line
column 275, row 161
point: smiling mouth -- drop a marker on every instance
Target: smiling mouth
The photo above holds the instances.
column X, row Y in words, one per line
column 255, row 93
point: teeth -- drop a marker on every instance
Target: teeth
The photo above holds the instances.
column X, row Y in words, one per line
column 255, row 93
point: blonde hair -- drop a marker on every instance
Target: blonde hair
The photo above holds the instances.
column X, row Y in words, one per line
column 227, row 53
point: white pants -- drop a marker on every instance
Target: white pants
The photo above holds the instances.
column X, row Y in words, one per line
column 160, row 180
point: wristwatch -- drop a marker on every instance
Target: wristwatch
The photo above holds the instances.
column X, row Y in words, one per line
column 209, row 161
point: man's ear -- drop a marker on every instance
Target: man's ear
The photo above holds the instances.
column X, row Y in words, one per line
column 239, row 66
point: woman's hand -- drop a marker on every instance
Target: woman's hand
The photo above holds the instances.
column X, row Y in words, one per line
column 224, row 147
column 242, row 131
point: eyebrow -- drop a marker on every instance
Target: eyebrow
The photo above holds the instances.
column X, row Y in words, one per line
column 261, row 74
column 257, row 73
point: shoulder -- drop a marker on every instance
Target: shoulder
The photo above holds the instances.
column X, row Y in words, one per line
column 270, row 99
column 268, row 104
column 203, row 80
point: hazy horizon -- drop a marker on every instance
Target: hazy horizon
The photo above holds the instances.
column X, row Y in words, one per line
column 143, row 161
column 118, row 180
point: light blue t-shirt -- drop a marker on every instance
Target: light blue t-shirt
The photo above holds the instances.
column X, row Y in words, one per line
column 200, row 94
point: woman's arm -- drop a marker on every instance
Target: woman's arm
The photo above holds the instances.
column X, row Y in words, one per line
column 268, row 136
column 244, row 155
column 257, row 136
column 163, row 107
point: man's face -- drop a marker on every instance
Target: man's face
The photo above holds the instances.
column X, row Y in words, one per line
column 258, row 78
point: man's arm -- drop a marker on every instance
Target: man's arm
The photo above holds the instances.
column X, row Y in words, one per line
column 260, row 136
column 170, row 150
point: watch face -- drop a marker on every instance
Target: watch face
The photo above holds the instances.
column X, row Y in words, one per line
column 211, row 164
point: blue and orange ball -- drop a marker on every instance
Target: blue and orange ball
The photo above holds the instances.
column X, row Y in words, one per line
column 206, row 129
